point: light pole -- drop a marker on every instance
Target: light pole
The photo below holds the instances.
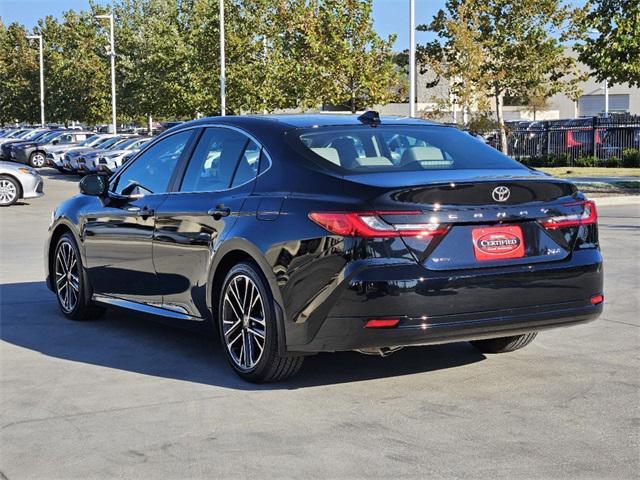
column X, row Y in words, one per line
column 606, row 98
column 112, row 54
column 39, row 38
column 223, row 95
column 412, row 58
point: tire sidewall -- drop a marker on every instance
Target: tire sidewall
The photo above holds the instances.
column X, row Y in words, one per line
column 271, row 341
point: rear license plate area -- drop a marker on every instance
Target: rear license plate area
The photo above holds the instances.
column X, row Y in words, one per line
column 498, row 243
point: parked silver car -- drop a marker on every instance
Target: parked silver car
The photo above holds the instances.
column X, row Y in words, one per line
column 18, row 181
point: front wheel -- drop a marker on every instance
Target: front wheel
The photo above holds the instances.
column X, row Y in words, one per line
column 504, row 344
column 9, row 191
column 247, row 323
column 69, row 282
column 37, row 160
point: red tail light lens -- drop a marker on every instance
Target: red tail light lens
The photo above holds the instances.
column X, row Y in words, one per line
column 596, row 299
column 382, row 323
column 370, row 225
column 588, row 216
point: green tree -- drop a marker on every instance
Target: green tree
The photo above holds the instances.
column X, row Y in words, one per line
column 76, row 68
column 511, row 47
column 19, row 78
column 357, row 65
column 611, row 45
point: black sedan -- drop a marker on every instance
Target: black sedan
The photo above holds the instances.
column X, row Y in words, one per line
column 292, row 235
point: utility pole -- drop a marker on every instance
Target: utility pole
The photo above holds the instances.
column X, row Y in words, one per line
column 606, row 98
column 39, row 38
column 412, row 58
column 223, row 95
column 112, row 54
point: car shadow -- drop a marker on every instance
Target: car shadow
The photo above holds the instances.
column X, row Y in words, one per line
column 29, row 318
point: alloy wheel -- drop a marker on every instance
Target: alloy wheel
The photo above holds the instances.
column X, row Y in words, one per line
column 38, row 160
column 67, row 277
column 244, row 325
column 8, row 192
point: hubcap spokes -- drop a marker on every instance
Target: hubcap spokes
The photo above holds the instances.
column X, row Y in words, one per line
column 67, row 278
column 7, row 191
column 38, row 160
column 243, row 322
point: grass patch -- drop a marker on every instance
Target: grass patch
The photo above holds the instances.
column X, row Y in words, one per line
column 591, row 172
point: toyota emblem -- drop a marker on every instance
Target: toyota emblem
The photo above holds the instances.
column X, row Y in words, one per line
column 501, row 193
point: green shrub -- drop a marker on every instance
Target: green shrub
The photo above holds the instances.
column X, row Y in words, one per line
column 586, row 162
column 631, row 158
column 613, row 162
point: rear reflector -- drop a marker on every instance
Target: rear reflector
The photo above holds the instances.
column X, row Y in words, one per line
column 596, row 299
column 588, row 216
column 370, row 225
column 382, row 323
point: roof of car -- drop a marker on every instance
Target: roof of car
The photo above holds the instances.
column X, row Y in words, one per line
column 305, row 120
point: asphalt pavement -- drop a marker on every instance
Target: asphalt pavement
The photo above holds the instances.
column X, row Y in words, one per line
column 124, row 397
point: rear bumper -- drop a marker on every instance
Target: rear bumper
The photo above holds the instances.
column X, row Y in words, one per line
column 338, row 334
column 445, row 306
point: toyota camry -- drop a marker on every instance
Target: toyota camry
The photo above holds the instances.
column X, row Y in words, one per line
column 292, row 235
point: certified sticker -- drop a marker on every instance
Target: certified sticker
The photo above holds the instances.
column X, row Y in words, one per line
column 498, row 243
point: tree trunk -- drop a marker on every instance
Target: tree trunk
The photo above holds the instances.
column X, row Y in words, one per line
column 353, row 98
column 500, row 118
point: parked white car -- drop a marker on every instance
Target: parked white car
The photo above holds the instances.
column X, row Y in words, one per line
column 18, row 181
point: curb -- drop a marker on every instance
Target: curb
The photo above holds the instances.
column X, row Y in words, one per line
column 621, row 200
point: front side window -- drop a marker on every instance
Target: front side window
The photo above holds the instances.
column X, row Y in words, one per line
column 150, row 172
column 222, row 156
column 363, row 149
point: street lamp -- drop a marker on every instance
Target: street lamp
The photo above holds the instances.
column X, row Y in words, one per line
column 112, row 54
column 412, row 58
column 223, row 95
column 39, row 38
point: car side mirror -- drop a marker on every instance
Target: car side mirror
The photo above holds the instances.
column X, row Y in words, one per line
column 96, row 185
column 55, row 142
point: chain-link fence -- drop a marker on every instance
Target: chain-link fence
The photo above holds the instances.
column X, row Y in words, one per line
column 613, row 141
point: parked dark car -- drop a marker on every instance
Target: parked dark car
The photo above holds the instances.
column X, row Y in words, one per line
column 299, row 234
column 28, row 135
column 34, row 152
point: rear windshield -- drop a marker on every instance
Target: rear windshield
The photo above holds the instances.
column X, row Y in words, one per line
column 391, row 148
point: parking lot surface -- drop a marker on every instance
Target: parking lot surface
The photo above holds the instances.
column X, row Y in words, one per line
column 124, row 397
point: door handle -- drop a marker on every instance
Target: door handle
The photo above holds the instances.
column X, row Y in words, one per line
column 219, row 211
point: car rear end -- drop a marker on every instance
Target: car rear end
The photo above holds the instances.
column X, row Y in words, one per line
column 448, row 241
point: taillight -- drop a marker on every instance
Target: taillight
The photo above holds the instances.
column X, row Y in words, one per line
column 382, row 323
column 370, row 225
column 588, row 216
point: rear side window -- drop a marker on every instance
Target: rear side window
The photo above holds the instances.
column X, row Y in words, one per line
column 394, row 148
column 223, row 158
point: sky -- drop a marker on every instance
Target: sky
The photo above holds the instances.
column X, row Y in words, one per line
column 389, row 16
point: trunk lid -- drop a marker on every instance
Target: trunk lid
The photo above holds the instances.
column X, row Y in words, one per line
column 492, row 218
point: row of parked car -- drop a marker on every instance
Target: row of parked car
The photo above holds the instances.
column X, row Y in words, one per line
column 69, row 151
column 24, row 150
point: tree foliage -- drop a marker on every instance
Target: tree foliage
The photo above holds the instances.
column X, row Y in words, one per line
column 611, row 46
column 493, row 48
column 280, row 54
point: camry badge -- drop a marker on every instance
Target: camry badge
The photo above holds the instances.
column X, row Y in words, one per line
column 501, row 193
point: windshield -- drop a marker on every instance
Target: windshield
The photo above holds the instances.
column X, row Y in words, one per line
column 108, row 142
column 127, row 143
column 366, row 149
column 49, row 136
column 89, row 141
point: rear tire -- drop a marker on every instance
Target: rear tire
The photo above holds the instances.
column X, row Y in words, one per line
column 70, row 282
column 248, row 329
column 504, row 344
column 37, row 159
